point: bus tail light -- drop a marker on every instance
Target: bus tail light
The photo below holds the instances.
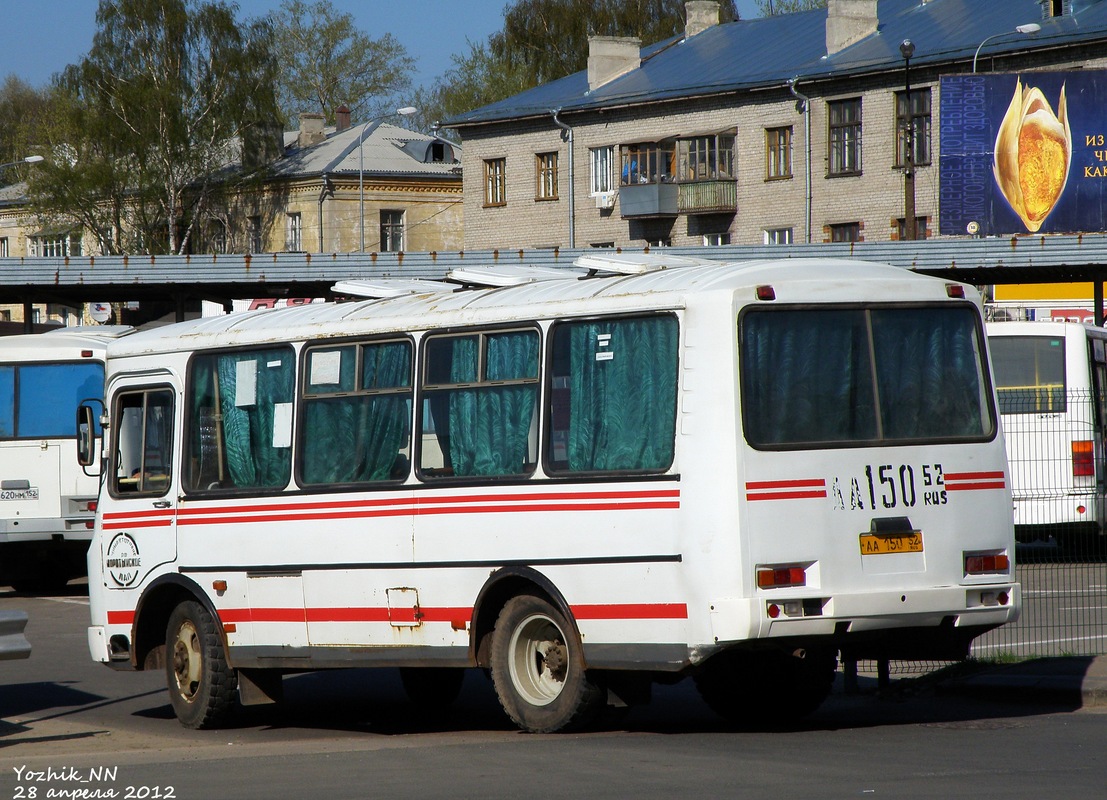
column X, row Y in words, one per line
column 981, row 563
column 777, row 577
column 955, row 290
column 766, row 293
column 1083, row 459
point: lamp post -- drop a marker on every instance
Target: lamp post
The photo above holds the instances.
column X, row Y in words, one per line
column 27, row 160
column 907, row 49
column 1026, row 30
column 406, row 111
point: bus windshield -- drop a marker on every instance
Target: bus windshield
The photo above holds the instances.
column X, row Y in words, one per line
column 31, row 396
column 1030, row 373
column 839, row 376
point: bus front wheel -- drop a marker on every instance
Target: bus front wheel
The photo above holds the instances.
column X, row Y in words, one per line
column 538, row 668
column 202, row 687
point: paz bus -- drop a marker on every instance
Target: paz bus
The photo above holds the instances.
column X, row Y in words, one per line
column 582, row 481
column 47, row 500
column 1051, row 382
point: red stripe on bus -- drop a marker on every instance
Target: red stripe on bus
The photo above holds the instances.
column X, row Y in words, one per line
column 796, row 484
column 611, row 611
column 972, row 476
column 632, row 611
column 786, row 495
column 121, row 617
column 152, row 523
column 968, row 487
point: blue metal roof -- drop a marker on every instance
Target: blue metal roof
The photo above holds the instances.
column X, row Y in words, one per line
column 769, row 51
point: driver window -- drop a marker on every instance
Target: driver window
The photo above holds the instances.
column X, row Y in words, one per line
column 144, row 442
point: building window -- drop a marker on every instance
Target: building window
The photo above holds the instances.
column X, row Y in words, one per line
column 545, row 176
column 649, row 162
column 706, row 158
column 602, row 158
column 495, row 193
column 55, row 245
column 778, row 153
column 4, row 253
column 716, row 239
column 294, row 240
column 392, row 231
column 253, row 231
column 920, row 228
column 845, row 232
column 917, row 115
column 844, row 140
column 217, row 237
column 778, row 236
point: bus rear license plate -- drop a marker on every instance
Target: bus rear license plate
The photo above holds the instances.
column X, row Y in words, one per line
column 19, row 494
column 879, row 544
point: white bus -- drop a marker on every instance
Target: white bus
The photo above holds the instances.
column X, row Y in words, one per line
column 652, row 469
column 1051, row 381
column 47, row 501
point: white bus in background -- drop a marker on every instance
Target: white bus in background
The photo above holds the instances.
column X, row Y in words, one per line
column 1051, row 381
column 47, row 500
column 581, row 481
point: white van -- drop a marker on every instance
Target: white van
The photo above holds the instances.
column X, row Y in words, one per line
column 1050, row 381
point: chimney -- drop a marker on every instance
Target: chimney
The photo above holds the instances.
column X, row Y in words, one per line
column 311, row 130
column 611, row 56
column 848, row 22
column 342, row 118
column 700, row 15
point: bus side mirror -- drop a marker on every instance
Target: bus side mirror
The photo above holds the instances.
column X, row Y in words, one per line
column 86, row 436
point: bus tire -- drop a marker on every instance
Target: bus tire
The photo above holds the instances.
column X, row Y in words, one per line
column 764, row 689
column 202, row 686
column 538, row 668
column 432, row 688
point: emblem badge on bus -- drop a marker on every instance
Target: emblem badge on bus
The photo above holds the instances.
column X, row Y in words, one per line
column 122, row 561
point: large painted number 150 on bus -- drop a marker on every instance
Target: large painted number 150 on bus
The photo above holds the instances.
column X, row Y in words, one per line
column 582, row 481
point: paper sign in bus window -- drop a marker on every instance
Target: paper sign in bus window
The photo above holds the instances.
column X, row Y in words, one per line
column 282, row 425
column 603, row 340
column 246, row 384
column 326, row 368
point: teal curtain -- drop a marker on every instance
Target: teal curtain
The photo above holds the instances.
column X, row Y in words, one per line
column 252, row 460
column 358, row 438
column 484, row 429
column 622, row 378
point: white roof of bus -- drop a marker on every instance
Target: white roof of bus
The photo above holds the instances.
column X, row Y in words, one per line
column 793, row 280
column 61, row 343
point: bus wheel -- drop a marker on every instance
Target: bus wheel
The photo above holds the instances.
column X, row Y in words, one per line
column 538, row 668
column 202, row 687
column 764, row 689
column 432, row 688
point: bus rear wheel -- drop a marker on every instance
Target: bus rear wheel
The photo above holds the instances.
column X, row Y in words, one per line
column 765, row 689
column 538, row 668
column 202, row 686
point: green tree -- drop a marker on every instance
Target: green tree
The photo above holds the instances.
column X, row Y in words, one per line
column 770, row 7
column 22, row 112
column 543, row 40
column 151, row 123
column 327, row 63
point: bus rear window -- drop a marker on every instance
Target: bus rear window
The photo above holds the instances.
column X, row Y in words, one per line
column 40, row 400
column 1030, row 373
column 831, row 377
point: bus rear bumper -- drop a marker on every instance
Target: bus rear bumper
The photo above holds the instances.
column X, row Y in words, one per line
column 926, row 623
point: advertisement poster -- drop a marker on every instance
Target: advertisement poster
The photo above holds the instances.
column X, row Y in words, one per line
column 1023, row 153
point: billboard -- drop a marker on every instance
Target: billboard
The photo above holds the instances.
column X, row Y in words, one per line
column 1023, row 153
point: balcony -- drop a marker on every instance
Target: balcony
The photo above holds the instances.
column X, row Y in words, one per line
column 670, row 199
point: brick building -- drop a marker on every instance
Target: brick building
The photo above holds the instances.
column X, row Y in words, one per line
column 783, row 129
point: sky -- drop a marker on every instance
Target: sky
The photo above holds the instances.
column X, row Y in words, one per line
column 41, row 37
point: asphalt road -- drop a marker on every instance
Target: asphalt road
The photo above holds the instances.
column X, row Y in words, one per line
column 73, row 728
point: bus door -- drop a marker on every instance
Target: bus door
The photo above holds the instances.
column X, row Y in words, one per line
column 140, row 509
column 1098, row 353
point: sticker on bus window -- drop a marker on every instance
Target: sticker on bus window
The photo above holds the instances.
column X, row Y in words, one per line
column 326, row 368
column 605, row 356
column 282, row 425
column 246, row 384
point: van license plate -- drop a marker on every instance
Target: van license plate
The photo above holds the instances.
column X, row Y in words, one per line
column 18, row 494
column 879, row 544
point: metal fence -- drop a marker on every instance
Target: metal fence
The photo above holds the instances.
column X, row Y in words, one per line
column 1058, row 468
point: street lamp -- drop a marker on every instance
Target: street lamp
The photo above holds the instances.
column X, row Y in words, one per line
column 1026, row 30
column 27, row 160
column 907, row 49
column 406, row 111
